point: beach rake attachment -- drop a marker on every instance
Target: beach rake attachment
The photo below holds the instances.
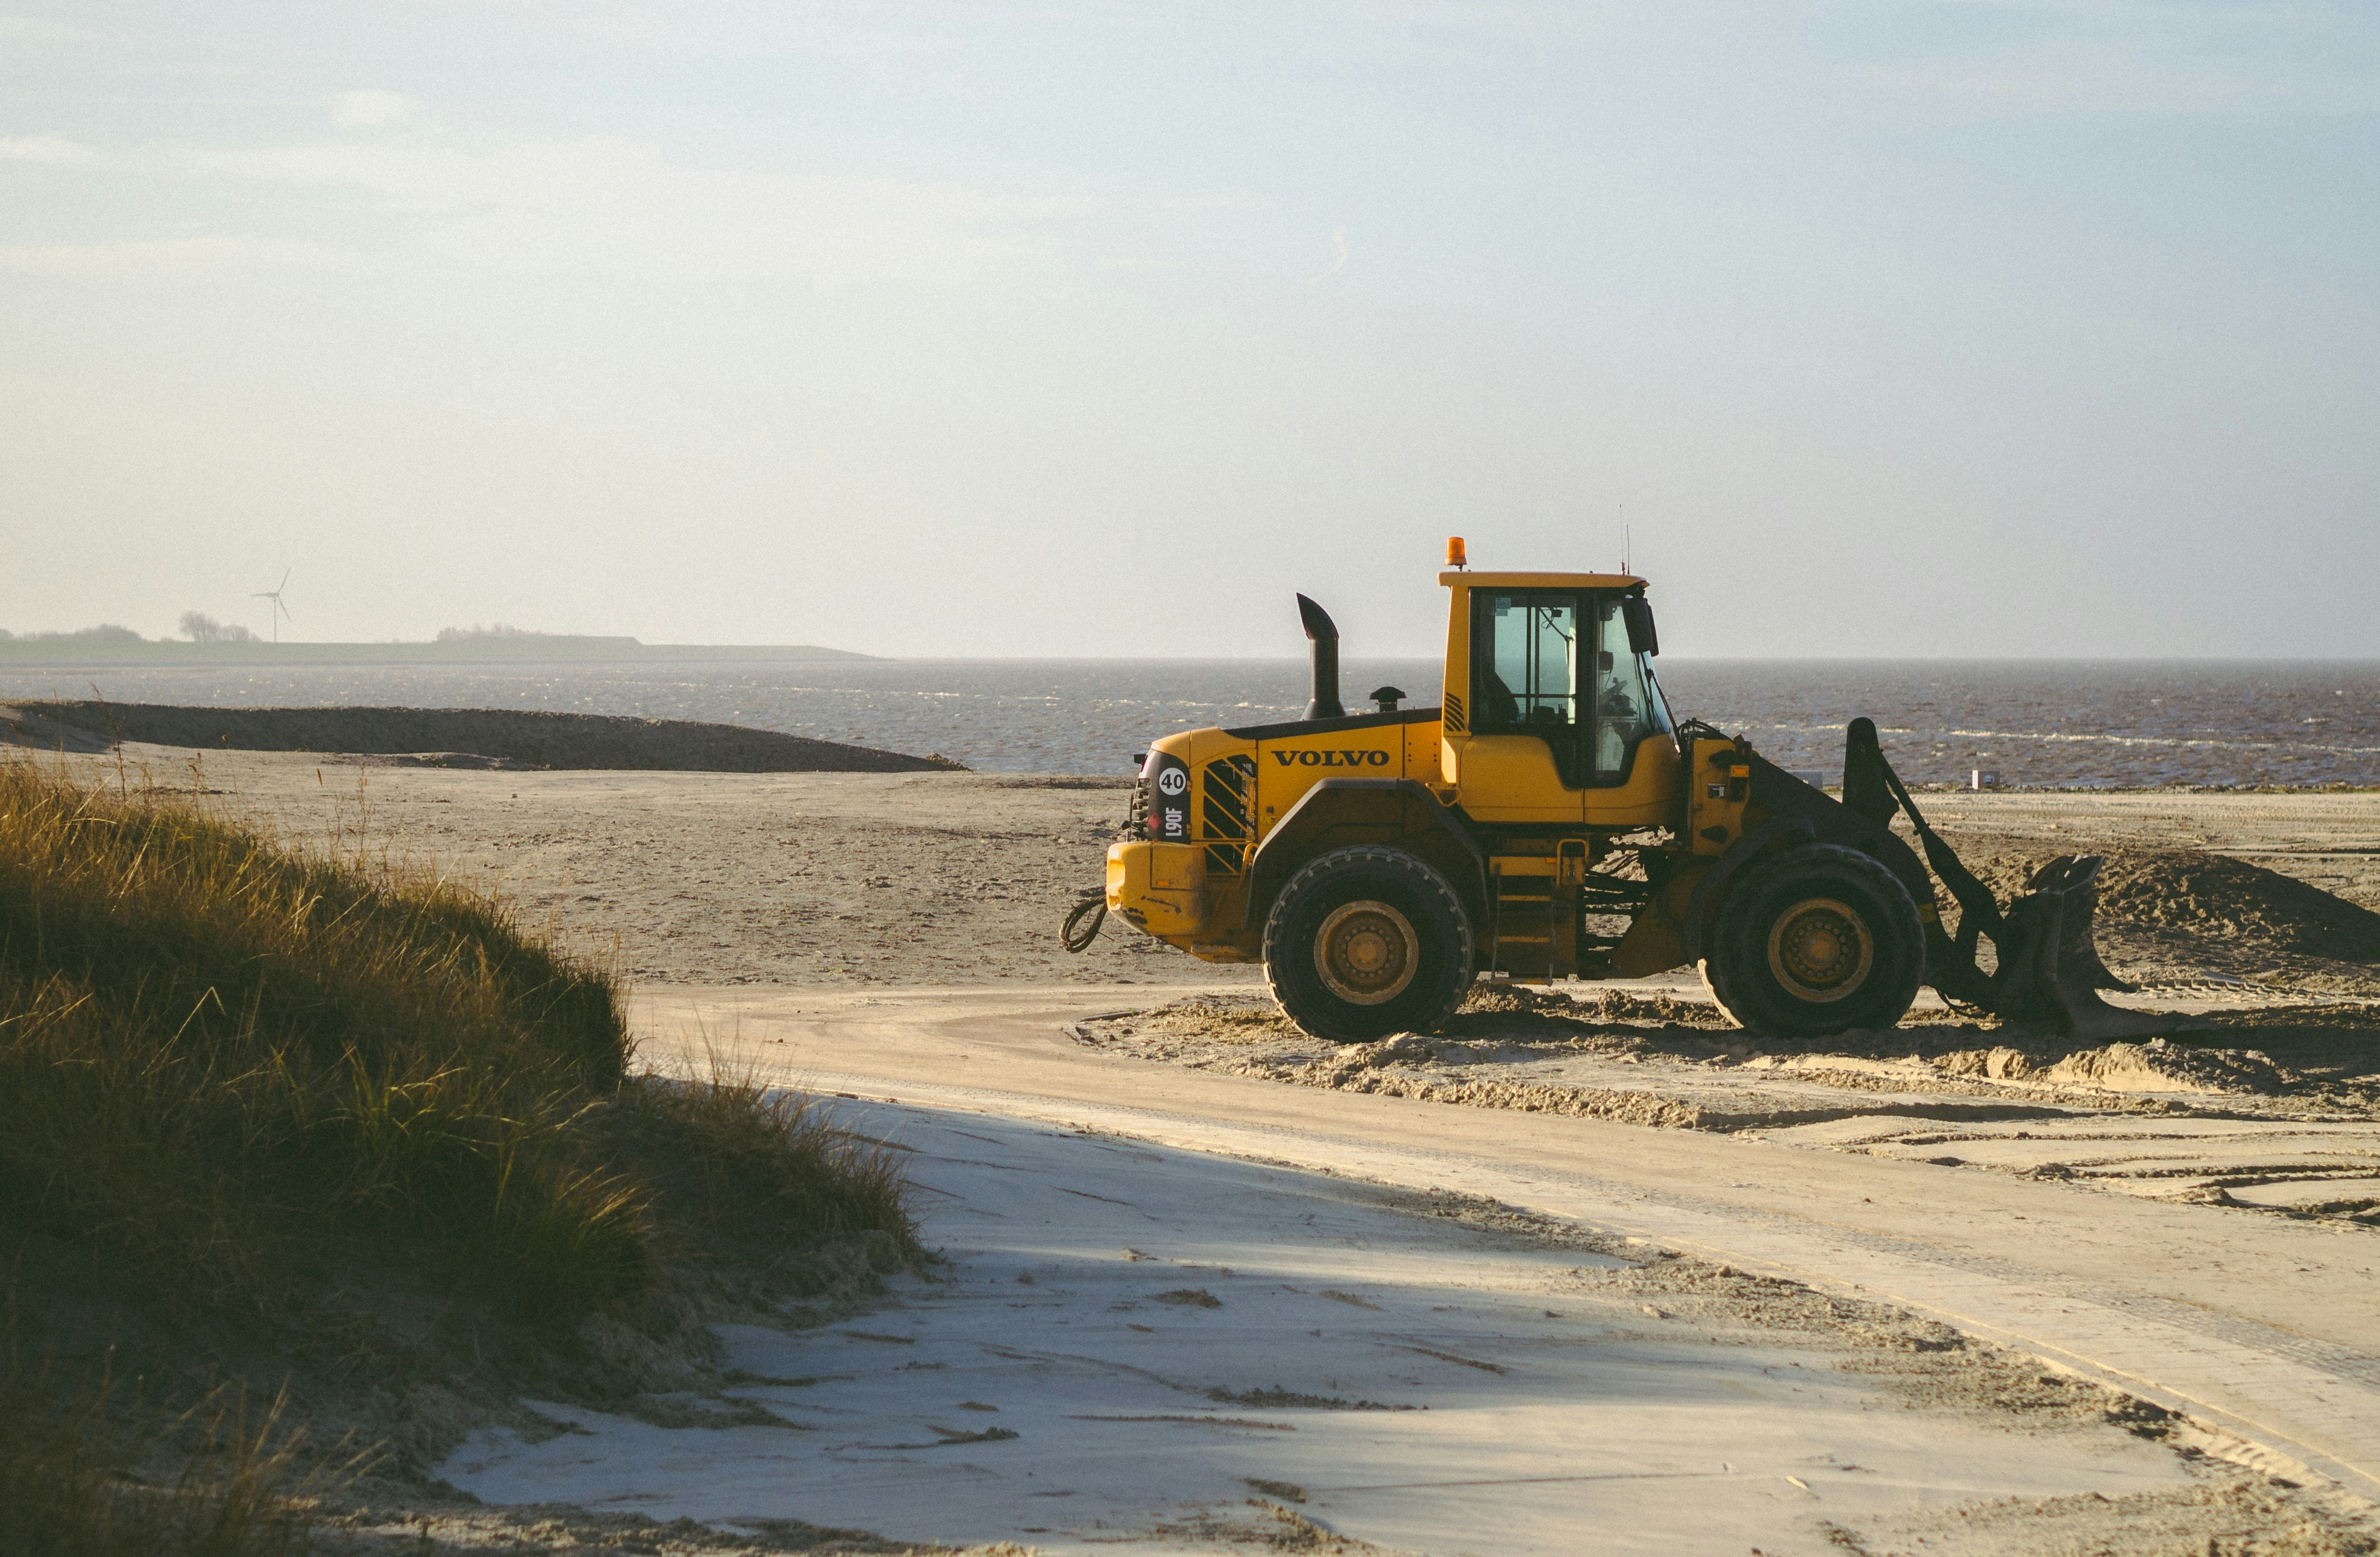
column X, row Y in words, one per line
column 2047, row 971
column 2050, row 969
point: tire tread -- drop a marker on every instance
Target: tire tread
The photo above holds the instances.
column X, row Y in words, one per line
column 1738, row 988
column 1410, row 870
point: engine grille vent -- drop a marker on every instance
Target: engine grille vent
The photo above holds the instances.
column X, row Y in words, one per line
column 1225, row 799
column 1136, row 820
column 1453, row 714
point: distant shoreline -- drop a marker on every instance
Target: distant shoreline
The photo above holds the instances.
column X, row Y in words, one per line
column 516, row 738
column 72, row 654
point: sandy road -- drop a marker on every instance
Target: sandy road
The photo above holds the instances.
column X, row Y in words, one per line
column 2266, row 1327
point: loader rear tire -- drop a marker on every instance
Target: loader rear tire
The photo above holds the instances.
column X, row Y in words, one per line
column 1364, row 941
column 1816, row 940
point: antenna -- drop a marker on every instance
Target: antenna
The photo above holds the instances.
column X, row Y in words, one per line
column 279, row 610
column 1623, row 538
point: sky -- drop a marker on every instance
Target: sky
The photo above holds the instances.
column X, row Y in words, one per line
column 1987, row 328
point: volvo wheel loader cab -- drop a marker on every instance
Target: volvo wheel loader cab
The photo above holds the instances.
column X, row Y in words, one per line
column 1550, row 820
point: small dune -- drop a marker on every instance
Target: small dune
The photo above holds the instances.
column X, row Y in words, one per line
column 325, row 1154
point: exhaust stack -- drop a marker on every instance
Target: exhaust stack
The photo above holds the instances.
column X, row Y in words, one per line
column 1324, row 633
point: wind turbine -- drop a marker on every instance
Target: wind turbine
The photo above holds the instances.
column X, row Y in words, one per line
column 279, row 610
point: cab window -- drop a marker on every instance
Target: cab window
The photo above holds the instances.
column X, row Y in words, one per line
column 1527, row 659
column 1557, row 665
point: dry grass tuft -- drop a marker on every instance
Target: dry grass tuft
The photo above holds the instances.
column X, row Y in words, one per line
column 746, row 1177
column 238, row 1490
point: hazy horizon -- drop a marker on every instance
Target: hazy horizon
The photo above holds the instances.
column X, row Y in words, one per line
column 1992, row 330
column 1350, row 656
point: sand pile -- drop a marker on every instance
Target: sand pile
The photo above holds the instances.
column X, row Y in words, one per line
column 2173, row 915
column 2162, row 1066
column 1521, row 1011
column 455, row 737
column 2212, row 895
column 2157, row 1066
column 1489, row 1015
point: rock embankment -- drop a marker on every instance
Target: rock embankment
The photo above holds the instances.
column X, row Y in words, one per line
column 460, row 738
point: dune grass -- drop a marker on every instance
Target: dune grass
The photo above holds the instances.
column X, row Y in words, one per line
column 245, row 1082
column 237, row 1491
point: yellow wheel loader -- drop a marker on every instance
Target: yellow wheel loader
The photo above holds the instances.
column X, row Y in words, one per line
column 1548, row 820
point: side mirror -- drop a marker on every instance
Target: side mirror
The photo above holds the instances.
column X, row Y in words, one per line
column 1642, row 638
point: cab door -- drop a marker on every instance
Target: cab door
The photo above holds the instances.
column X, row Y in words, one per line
column 1631, row 756
column 1530, row 694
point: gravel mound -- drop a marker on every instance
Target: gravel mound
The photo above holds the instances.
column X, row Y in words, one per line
column 457, row 737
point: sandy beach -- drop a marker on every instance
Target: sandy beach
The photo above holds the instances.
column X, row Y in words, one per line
column 2147, row 1274
column 916, row 879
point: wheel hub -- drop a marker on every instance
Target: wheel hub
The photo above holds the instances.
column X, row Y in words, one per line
column 1820, row 950
column 1367, row 952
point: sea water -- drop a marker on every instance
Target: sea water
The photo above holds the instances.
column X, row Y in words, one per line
column 2056, row 723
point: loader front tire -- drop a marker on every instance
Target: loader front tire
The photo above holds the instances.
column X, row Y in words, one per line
column 1816, row 940
column 1364, row 941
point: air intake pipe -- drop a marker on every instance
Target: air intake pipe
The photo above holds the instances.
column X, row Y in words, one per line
column 1324, row 634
